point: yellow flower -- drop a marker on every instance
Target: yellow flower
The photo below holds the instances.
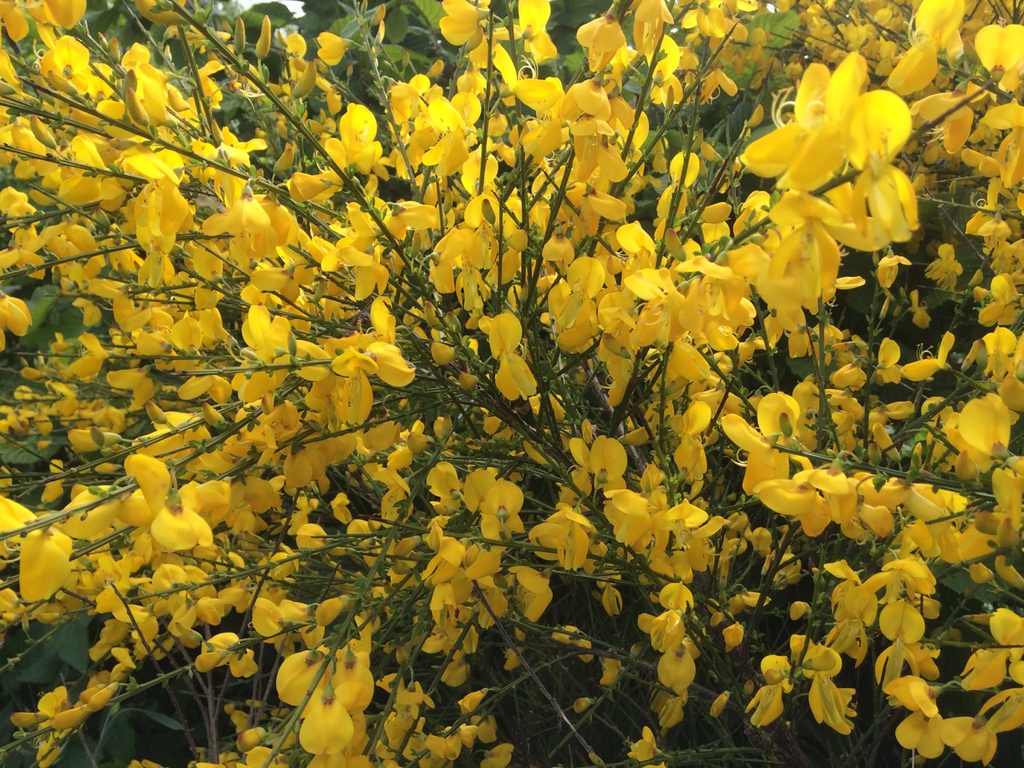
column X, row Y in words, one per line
column 768, row 701
column 533, row 19
column 970, row 738
column 957, row 116
column 1008, row 117
column 326, row 725
column 179, row 527
column 1001, row 51
column 677, row 670
column 45, row 564
column 332, row 48
column 922, row 733
column 602, row 38
column 296, row 674
column 935, row 26
column 498, row 756
column 984, row 424
column 806, row 152
column 875, row 129
column 462, row 24
column 514, row 378
column 919, row 370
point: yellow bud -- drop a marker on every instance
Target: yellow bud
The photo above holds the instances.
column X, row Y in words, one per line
column 284, row 162
column 98, row 699
column 249, row 739
column 136, row 111
column 733, row 636
column 518, row 240
column 638, row 436
column 306, row 82
column 266, row 35
column 211, row 415
column 148, row 8
column 467, row 381
column 965, row 467
column 1007, row 535
column 156, row 415
column 798, row 610
column 176, row 101
column 27, row 719
column 417, row 442
column 329, row 610
column 719, row 704
column 986, row 522
column 42, row 133
column 441, row 353
column 980, row 573
column 69, row 718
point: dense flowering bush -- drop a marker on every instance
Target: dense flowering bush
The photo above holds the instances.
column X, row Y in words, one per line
column 642, row 399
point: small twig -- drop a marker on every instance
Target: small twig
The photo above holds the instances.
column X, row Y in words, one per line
column 149, row 652
column 544, row 691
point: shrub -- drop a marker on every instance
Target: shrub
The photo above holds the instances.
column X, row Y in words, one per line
column 646, row 398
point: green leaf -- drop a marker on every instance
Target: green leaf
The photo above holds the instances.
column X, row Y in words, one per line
column 397, row 54
column 431, row 11
column 163, row 720
column 780, row 28
column 117, row 739
column 801, row 366
column 279, row 13
column 396, row 26
column 72, row 642
column 51, row 314
column 15, row 454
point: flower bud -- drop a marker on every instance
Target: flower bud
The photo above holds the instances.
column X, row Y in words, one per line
column 249, row 739
column 42, row 133
column 306, row 82
column 239, row 36
column 156, row 415
column 266, row 36
column 719, row 704
column 441, row 353
column 134, row 107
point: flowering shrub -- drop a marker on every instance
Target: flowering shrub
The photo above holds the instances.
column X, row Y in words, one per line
column 645, row 399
